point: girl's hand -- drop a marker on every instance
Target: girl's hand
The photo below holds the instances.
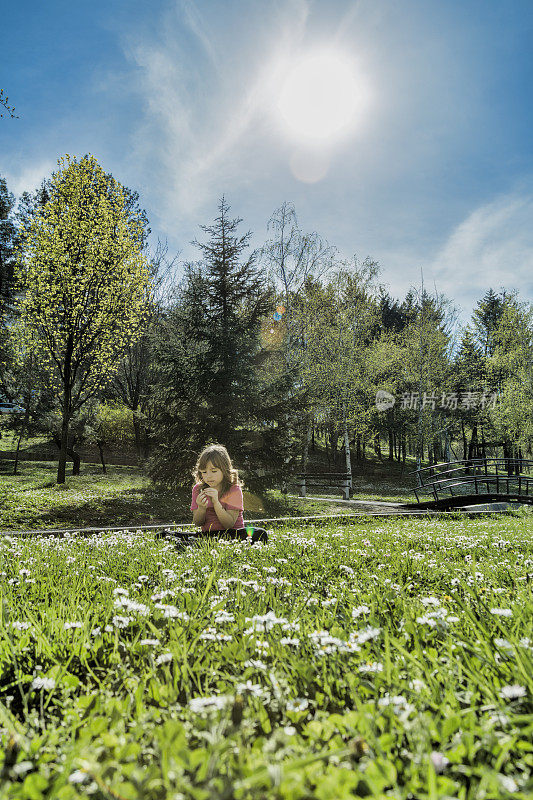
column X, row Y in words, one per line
column 201, row 500
column 212, row 493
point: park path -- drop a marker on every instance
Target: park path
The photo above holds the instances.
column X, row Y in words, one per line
column 363, row 506
column 391, row 509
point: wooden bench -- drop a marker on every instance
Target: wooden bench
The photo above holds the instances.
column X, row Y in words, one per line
column 336, row 480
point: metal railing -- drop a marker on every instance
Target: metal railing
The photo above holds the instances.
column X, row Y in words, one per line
column 487, row 476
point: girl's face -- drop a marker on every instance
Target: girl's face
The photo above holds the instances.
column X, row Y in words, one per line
column 211, row 475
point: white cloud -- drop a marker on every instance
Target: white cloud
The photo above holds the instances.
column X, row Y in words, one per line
column 492, row 247
column 29, row 177
column 205, row 119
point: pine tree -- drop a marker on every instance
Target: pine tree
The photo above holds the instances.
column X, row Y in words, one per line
column 485, row 319
column 210, row 385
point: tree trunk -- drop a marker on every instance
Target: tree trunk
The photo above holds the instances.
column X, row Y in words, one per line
column 483, row 449
column 347, row 446
column 19, row 440
column 63, row 443
column 308, row 434
column 137, row 431
column 66, row 410
column 464, row 439
column 377, row 445
column 447, row 453
column 391, row 445
column 473, row 444
column 101, row 449
column 333, row 441
column 76, row 460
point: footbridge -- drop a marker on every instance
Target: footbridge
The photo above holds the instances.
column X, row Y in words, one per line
column 455, row 484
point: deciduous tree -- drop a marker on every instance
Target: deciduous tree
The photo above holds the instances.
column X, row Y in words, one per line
column 84, row 283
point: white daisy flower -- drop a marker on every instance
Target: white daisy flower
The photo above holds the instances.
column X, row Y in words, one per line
column 43, row 683
column 512, row 692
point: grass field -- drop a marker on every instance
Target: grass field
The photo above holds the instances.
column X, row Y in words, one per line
column 32, row 499
column 388, row 659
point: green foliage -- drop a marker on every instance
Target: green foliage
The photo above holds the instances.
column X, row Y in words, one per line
column 320, row 665
column 207, row 386
column 83, row 295
column 110, row 423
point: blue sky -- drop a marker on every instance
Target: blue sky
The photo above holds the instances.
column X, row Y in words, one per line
column 176, row 99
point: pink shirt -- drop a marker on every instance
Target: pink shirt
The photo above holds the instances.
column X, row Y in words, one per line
column 232, row 500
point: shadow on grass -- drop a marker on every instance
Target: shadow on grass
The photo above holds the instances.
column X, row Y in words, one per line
column 127, row 504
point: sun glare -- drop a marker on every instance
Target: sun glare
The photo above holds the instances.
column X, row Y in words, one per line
column 319, row 98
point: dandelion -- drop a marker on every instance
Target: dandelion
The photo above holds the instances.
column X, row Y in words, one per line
column 199, row 704
column 69, row 625
column 213, row 635
column 150, row 642
column 439, row 761
column 508, row 783
column 503, row 643
column 164, row 658
column 224, row 616
column 368, row 633
column 254, row 689
column 371, row 666
column 287, row 640
column 171, row 612
column 20, row 626
column 265, row 622
column 78, row 776
column 499, row 719
column 356, row 612
column 255, row 663
column 121, row 622
column 131, row 605
column 502, row 612
column 289, row 730
column 43, row 683
column 160, row 595
column 299, row 704
column 512, row 692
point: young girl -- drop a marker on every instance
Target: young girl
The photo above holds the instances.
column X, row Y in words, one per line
column 217, row 503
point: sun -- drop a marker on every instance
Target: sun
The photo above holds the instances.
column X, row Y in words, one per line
column 319, row 97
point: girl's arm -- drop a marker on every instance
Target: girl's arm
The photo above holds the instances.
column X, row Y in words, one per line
column 198, row 516
column 228, row 516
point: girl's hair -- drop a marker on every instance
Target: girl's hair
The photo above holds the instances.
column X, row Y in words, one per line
column 219, row 458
